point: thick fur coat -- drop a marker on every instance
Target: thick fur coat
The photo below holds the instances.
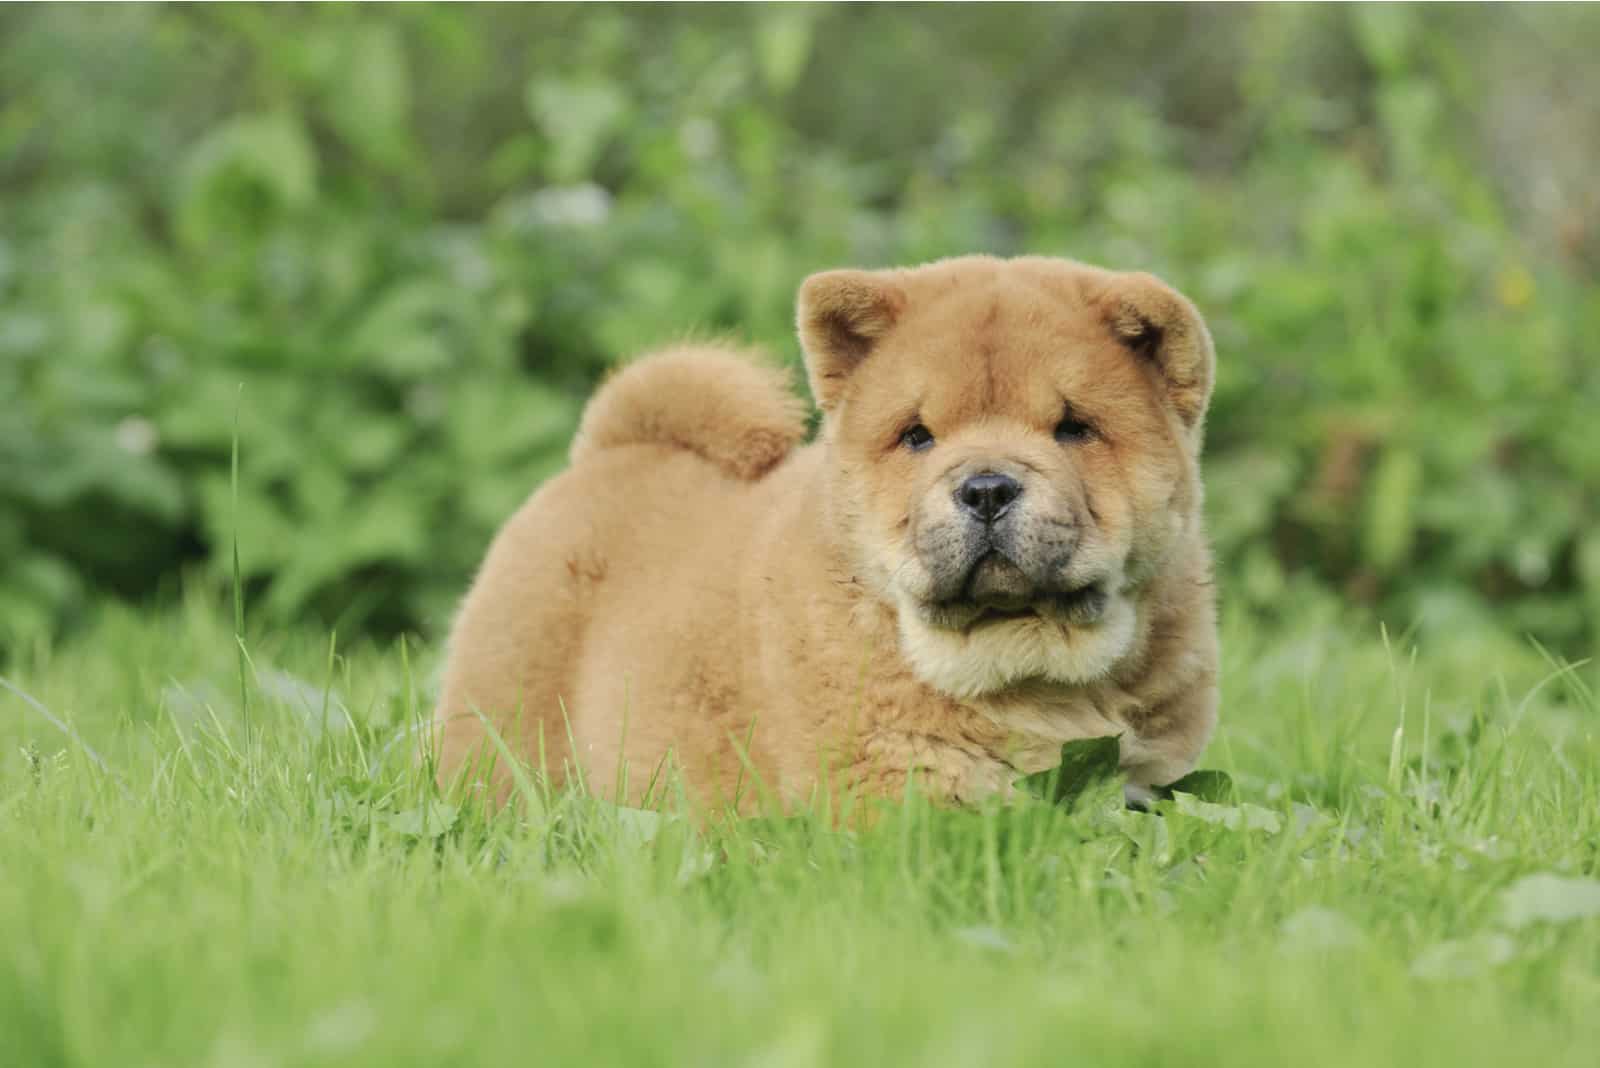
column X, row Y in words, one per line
column 993, row 545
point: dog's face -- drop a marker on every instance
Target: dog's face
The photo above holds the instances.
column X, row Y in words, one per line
column 1015, row 455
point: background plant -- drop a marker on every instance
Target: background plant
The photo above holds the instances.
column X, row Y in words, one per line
column 403, row 243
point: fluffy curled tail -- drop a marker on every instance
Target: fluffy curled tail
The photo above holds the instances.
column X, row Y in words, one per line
column 717, row 402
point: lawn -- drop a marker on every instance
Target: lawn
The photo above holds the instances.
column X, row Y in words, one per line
column 1408, row 878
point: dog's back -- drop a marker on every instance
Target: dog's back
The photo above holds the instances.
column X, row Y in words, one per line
column 636, row 539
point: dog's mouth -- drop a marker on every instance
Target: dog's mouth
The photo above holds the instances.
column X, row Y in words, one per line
column 1082, row 605
column 998, row 592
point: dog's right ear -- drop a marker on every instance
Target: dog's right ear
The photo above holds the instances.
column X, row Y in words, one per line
column 842, row 316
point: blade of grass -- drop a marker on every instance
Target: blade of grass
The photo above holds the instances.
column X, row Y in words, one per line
column 238, row 584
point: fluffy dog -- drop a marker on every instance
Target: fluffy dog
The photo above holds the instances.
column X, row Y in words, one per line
column 993, row 545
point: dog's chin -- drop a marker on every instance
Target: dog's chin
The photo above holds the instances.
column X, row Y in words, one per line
column 974, row 647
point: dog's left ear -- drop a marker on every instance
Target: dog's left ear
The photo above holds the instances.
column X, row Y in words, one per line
column 842, row 316
column 1159, row 325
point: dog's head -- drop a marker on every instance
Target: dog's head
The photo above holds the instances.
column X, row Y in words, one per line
column 1014, row 451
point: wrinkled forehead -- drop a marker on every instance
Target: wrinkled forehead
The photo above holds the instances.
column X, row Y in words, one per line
column 1003, row 346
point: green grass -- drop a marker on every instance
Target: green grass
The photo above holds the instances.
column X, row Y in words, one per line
column 295, row 895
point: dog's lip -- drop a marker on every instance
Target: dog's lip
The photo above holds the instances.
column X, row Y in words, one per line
column 1063, row 603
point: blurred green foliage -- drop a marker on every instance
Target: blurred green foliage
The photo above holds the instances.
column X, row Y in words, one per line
column 396, row 246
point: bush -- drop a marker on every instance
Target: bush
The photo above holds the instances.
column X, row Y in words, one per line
column 394, row 248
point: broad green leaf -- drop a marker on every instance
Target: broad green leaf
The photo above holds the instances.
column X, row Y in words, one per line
column 1386, row 35
column 1318, row 929
column 1234, row 817
column 429, row 820
column 1084, row 763
column 987, row 938
column 641, row 824
column 405, row 333
column 1463, row 958
column 1588, row 567
column 1205, row 784
column 1391, row 516
column 225, row 175
column 1549, row 898
column 783, row 43
column 579, row 118
column 370, row 95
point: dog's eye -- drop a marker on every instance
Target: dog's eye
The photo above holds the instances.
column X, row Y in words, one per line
column 1071, row 429
column 916, row 438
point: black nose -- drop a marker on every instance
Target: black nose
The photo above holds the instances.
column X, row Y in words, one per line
column 988, row 495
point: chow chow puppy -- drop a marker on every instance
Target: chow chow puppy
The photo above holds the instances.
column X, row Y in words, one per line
column 993, row 545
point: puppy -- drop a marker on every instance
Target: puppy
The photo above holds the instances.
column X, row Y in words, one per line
column 993, row 545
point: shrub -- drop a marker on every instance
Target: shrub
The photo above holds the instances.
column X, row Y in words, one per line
column 394, row 248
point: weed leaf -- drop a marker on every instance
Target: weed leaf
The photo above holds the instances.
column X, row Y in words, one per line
column 1205, row 784
column 1233, row 817
column 1463, row 958
column 430, row 820
column 1550, row 898
column 1084, row 763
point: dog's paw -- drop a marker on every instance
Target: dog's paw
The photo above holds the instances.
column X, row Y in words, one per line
column 1139, row 798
